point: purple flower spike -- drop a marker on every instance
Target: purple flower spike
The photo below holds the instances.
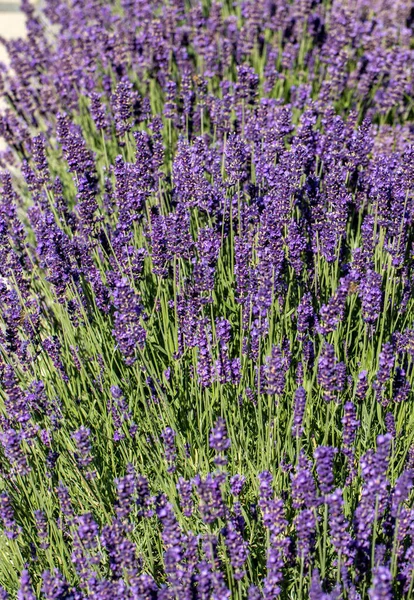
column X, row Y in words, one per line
column 305, row 525
column 381, row 584
column 236, row 484
column 25, row 590
column 219, row 441
column 371, row 297
column 55, row 586
column 168, row 438
column 350, row 426
column 83, row 446
column 11, row 529
column 42, row 528
column 185, row 489
column 324, row 456
column 331, row 375
column 340, row 537
column 303, row 484
column 237, row 547
column 299, row 411
column 211, row 503
column 277, row 365
column 401, row 491
column 386, row 364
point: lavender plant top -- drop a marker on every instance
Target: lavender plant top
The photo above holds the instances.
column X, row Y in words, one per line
column 206, row 301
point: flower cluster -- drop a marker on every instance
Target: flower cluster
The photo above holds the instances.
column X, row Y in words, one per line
column 207, row 308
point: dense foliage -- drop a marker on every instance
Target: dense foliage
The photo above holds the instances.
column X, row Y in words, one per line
column 206, row 283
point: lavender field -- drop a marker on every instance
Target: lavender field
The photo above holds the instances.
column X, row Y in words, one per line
column 207, row 301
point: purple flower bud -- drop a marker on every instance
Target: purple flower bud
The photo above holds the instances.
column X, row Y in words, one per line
column 98, row 111
column 55, row 586
column 83, row 446
column 324, row 456
column 299, row 411
column 277, row 365
column 120, row 414
column 274, row 575
column 223, row 330
column 128, row 332
column 305, row 526
column 211, row 504
column 170, row 103
column 185, row 489
column 236, row 155
column 374, row 496
column 332, row 313
column 401, row 491
column 126, row 488
column 331, row 375
column 390, row 424
column 53, row 347
column 237, row 547
column 254, row 593
column 350, row 425
column 79, row 158
column 11, row 441
column 65, row 502
column 340, row 537
column 303, row 484
column 386, row 364
column 204, row 366
column 168, row 438
column 87, row 530
column 219, row 440
column 144, row 587
column 305, row 316
column 25, row 590
column 42, row 528
column 401, row 386
column 122, row 101
column 208, row 248
column 39, row 157
column 362, row 386
column 11, row 529
column 371, row 296
column 381, row 584
column 236, row 484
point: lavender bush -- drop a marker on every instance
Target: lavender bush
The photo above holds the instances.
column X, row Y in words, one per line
column 206, row 281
